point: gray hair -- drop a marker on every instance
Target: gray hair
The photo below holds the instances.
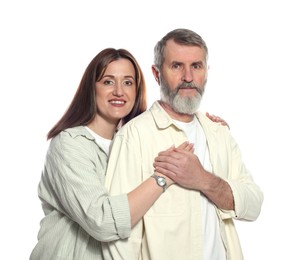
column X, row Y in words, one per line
column 180, row 36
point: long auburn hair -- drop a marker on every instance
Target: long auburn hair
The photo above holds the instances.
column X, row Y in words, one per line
column 83, row 107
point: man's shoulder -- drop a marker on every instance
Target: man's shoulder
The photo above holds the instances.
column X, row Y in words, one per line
column 139, row 121
column 216, row 132
column 204, row 120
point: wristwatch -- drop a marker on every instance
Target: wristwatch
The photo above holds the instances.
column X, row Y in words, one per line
column 161, row 181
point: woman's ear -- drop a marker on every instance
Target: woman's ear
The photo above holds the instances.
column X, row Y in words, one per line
column 156, row 73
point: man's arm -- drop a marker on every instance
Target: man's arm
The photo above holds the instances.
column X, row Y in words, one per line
column 185, row 169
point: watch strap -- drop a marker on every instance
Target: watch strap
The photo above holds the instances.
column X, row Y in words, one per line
column 158, row 178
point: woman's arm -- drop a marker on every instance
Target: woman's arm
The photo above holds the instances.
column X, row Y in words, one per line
column 144, row 196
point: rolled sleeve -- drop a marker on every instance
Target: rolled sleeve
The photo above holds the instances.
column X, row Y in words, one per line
column 120, row 206
column 248, row 200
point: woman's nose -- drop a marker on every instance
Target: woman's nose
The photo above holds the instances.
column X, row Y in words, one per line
column 118, row 90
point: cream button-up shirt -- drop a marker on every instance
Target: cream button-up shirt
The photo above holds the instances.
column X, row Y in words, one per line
column 172, row 228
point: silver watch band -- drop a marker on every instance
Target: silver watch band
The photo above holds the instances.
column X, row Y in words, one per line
column 161, row 181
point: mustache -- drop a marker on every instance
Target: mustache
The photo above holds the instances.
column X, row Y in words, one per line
column 190, row 85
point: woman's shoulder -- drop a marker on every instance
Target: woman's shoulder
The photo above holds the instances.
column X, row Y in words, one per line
column 74, row 136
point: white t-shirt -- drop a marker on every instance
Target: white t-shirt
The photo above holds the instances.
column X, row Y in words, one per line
column 102, row 142
column 213, row 245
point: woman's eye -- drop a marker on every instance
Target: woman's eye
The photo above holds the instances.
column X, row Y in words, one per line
column 108, row 82
column 128, row 83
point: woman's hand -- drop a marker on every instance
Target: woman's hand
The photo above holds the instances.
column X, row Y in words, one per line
column 217, row 119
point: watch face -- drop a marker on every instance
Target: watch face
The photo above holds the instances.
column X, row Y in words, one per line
column 161, row 181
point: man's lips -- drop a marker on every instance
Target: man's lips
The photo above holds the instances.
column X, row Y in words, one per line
column 190, row 88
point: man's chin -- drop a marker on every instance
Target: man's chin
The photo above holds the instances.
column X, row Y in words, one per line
column 186, row 108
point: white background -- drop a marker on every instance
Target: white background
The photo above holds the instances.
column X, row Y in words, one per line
column 45, row 47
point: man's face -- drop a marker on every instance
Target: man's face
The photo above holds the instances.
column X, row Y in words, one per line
column 183, row 77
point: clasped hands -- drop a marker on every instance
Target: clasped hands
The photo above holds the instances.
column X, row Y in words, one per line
column 181, row 166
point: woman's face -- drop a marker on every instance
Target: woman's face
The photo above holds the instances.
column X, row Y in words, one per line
column 116, row 91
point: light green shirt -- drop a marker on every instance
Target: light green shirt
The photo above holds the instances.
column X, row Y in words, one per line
column 172, row 228
column 78, row 211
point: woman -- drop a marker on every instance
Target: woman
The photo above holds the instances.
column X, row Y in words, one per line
column 78, row 211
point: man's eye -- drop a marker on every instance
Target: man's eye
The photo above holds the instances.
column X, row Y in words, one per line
column 176, row 66
column 197, row 66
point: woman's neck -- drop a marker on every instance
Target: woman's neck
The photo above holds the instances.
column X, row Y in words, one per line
column 103, row 128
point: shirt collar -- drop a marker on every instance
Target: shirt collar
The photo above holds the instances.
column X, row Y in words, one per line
column 161, row 117
column 79, row 131
column 163, row 120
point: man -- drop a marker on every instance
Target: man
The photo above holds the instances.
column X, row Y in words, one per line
column 193, row 219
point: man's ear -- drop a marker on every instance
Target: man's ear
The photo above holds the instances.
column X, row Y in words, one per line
column 156, row 73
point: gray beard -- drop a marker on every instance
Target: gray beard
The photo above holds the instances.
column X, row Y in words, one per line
column 182, row 105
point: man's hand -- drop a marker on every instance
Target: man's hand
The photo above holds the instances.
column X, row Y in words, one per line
column 159, row 170
column 181, row 165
